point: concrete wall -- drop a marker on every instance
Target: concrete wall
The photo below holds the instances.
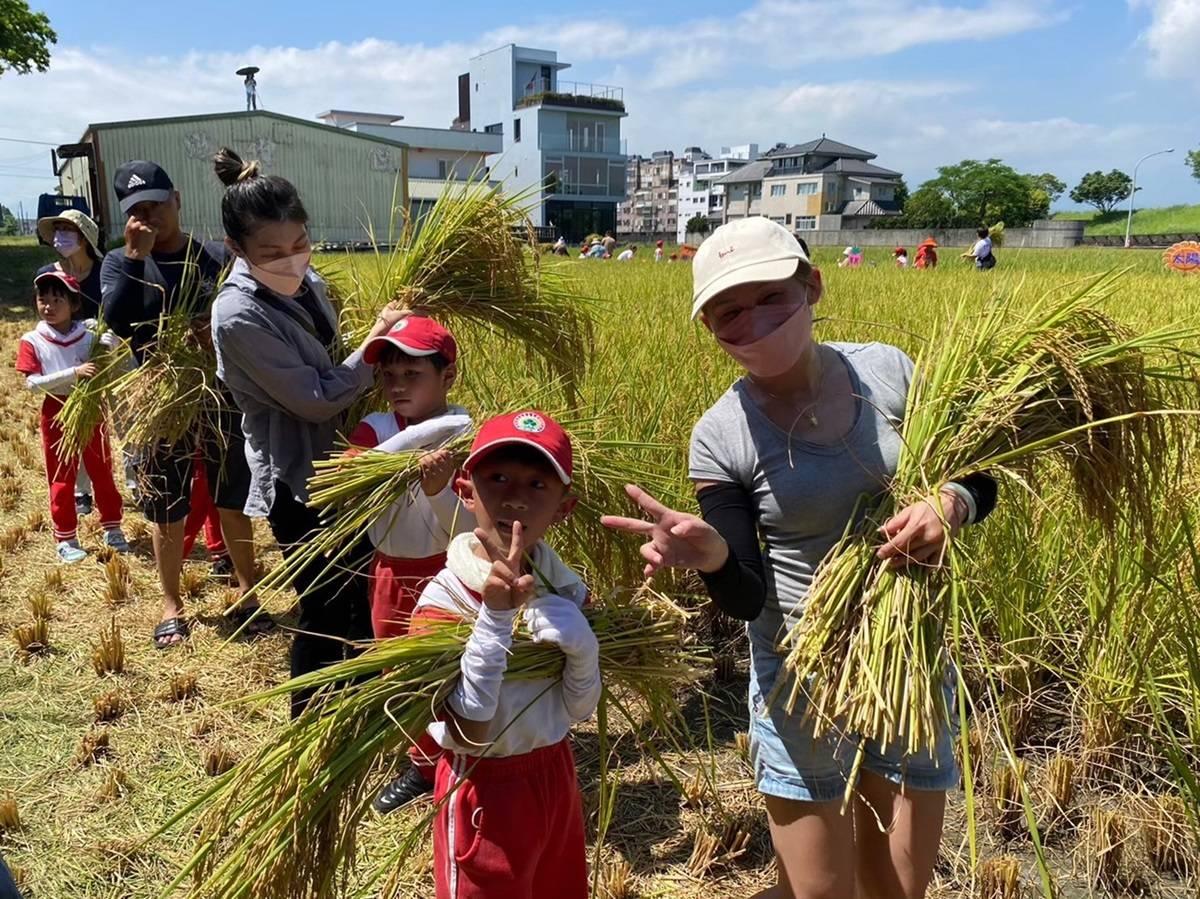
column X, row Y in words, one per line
column 1045, row 234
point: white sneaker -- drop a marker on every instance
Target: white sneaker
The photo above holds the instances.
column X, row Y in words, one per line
column 71, row 552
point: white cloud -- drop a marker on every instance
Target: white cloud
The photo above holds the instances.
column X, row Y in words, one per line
column 1173, row 37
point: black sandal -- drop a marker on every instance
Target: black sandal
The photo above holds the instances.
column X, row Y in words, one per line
column 253, row 622
column 172, row 627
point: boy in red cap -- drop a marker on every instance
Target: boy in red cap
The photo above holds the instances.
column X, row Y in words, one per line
column 510, row 819
column 53, row 356
column 416, row 365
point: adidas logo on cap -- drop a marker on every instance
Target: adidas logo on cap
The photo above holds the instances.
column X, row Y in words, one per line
column 135, row 180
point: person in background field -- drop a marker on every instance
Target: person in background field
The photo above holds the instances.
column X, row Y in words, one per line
column 560, row 246
column 416, row 364
column 626, row 254
column 851, row 258
column 926, row 254
column 610, row 243
column 276, row 339
column 53, row 356
column 658, row 251
column 162, row 268
column 901, row 257
column 780, row 464
column 982, row 251
column 509, row 813
column 76, row 239
column 597, row 251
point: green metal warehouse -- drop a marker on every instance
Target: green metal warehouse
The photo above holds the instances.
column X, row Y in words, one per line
column 348, row 181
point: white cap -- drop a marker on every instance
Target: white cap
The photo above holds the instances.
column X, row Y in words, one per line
column 741, row 252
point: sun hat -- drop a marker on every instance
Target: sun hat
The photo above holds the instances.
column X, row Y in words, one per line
column 414, row 335
column 929, row 242
column 744, row 251
column 528, row 428
column 87, row 227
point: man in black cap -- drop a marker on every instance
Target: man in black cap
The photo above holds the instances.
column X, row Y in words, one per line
column 159, row 269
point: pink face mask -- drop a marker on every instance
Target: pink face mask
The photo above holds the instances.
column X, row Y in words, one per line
column 284, row 276
column 771, row 340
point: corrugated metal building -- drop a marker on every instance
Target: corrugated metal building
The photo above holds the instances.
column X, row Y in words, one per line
column 346, row 179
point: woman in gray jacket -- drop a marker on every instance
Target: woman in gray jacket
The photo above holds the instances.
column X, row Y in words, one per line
column 276, row 338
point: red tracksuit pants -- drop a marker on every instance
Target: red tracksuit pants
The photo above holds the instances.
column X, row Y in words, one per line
column 203, row 512
column 396, row 585
column 60, row 473
column 513, row 828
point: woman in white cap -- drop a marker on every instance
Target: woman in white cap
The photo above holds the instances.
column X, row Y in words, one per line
column 783, row 457
column 76, row 239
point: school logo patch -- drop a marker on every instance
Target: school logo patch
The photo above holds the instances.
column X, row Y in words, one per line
column 400, row 325
column 530, row 423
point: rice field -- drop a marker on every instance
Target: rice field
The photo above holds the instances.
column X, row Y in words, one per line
column 1086, row 686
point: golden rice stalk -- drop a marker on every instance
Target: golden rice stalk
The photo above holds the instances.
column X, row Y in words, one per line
column 1046, row 382
column 1060, row 792
column 473, row 258
column 108, row 707
column 713, row 847
column 32, row 638
column 1000, row 878
column 1009, row 803
column 192, row 582
column 53, row 581
column 35, row 521
column 1170, row 841
column 284, row 821
column 10, row 495
column 12, row 537
column 40, row 605
column 87, row 403
column 10, row 815
column 108, row 656
column 181, row 687
column 116, row 785
column 741, row 743
column 616, row 878
column 118, row 582
column 1105, row 849
column 218, row 759
column 92, row 748
column 695, row 790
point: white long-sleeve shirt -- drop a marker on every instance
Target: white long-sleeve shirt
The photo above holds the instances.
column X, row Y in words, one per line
column 529, row 713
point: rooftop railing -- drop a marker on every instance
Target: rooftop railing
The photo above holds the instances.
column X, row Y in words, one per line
column 572, row 93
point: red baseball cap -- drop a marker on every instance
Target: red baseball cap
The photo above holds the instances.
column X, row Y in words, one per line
column 62, row 277
column 416, row 336
column 529, row 428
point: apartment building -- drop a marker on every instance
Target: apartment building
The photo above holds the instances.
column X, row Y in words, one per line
column 699, row 191
column 821, row 184
column 560, row 140
column 651, row 204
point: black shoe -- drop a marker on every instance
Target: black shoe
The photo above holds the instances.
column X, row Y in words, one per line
column 404, row 789
column 83, row 504
column 222, row 568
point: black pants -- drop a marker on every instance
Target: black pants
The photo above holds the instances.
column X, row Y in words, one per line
column 333, row 602
column 8, row 889
column 165, row 472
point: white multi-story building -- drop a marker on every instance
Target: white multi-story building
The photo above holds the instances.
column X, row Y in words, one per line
column 698, row 193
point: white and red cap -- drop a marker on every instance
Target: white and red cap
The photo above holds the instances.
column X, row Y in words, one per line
column 740, row 252
column 414, row 335
column 56, row 275
column 529, row 428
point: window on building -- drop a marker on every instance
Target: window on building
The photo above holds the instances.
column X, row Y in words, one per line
column 777, row 219
column 779, row 190
column 516, row 131
column 787, row 219
column 806, row 189
column 806, row 223
column 442, row 169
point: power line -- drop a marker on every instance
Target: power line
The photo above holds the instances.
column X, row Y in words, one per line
column 20, row 140
column 33, row 177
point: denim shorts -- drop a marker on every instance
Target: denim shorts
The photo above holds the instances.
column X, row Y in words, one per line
column 791, row 763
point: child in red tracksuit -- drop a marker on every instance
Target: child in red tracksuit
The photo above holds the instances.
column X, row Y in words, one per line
column 416, row 367
column 53, row 356
column 510, row 819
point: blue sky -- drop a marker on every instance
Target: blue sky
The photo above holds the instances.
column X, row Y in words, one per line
column 1065, row 86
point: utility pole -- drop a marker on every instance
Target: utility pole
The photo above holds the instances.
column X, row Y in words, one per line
column 1133, row 190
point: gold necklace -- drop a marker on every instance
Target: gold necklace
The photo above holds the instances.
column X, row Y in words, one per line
column 808, row 412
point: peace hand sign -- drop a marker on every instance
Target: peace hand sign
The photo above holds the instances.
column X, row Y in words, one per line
column 676, row 539
column 505, row 587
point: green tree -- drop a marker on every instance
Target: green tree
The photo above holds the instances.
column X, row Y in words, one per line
column 928, row 207
column 1104, row 191
column 25, row 37
column 1051, row 185
column 697, row 224
column 1193, row 162
column 8, row 221
column 988, row 191
column 900, row 194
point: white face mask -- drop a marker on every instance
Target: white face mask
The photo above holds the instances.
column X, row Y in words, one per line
column 284, row 276
column 65, row 242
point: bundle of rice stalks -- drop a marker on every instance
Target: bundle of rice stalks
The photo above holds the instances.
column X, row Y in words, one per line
column 354, row 491
column 116, row 784
column 33, row 638
column 1170, row 841
column 53, row 580
column 718, row 845
column 118, row 582
column 1060, row 793
column 1000, row 878
column 10, row 815
column 12, row 537
column 92, row 748
column 192, row 582
column 87, row 403
column 1105, row 849
column 35, row 522
column 473, row 257
column 616, row 878
column 108, row 656
column 181, row 687
column 41, row 605
column 108, row 707
column 218, row 759
column 1009, row 781
column 283, row 823
column 1052, row 382
column 10, row 494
